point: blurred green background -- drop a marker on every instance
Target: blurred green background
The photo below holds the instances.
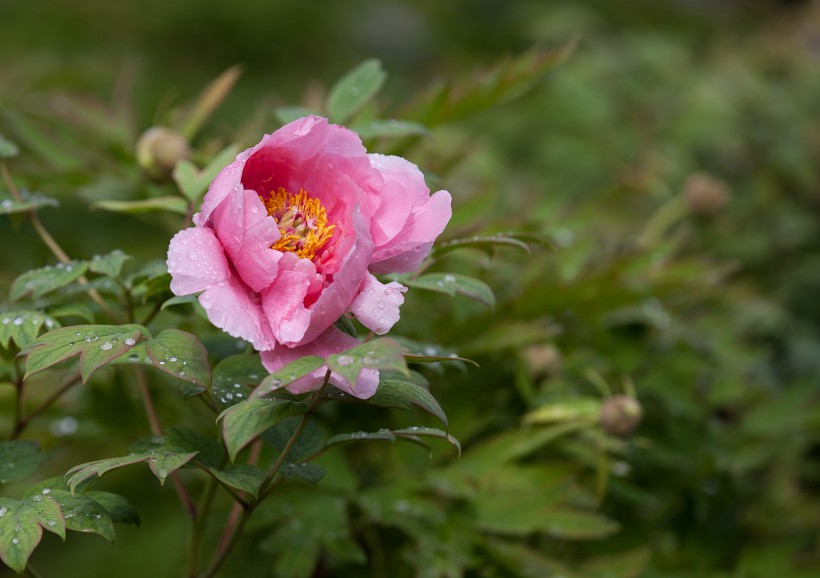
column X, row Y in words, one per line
column 673, row 163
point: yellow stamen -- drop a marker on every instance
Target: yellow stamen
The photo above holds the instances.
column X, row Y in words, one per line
column 302, row 222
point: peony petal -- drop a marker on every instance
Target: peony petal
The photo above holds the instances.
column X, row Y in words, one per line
column 196, row 261
column 328, row 343
column 377, row 305
column 246, row 231
column 233, row 307
column 283, row 302
column 222, row 185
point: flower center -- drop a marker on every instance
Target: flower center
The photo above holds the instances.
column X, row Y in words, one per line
column 302, row 222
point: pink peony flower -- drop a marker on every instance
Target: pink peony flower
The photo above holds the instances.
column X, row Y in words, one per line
column 290, row 235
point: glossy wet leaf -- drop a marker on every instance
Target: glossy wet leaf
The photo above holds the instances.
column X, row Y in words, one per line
column 287, row 375
column 84, row 514
column 171, row 204
column 244, row 477
column 29, row 201
column 96, row 345
column 235, row 377
column 110, row 264
column 403, row 394
column 22, row 326
column 383, row 353
column 361, row 436
column 309, row 472
column 119, row 508
column 355, row 89
column 21, row 527
column 180, row 354
column 245, row 421
column 421, row 432
column 389, row 129
column 38, row 282
column 454, row 284
column 19, row 459
column 163, row 461
column 209, row 451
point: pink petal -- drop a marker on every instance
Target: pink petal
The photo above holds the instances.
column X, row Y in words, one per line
column 233, row 307
column 246, row 231
column 284, row 301
column 403, row 262
column 222, row 185
column 377, row 305
column 196, row 261
column 328, row 343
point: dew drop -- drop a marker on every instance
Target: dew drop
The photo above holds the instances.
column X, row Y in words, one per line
column 15, row 541
column 3, row 511
column 344, row 360
column 107, row 346
column 51, row 523
column 192, row 255
column 130, row 341
column 18, row 320
column 172, row 359
column 381, row 304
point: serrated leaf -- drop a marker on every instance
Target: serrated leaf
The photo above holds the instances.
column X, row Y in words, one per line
column 389, row 129
column 96, row 345
column 454, row 284
column 355, row 89
column 287, row 114
column 163, row 461
column 19, row 459
column 244, row 477
column 28, row 202
column 486, row 243
column 209, row 452
column 193, row 182
column 110, row 264
column 245, row 421
column 404, row 395
column 235, row 377
column 180, row 354
column 84, row 514
column 21, row 527
column 118, row 508
column 8, row 149
column 287, row 375
column 38, row 282
column 171, row 204
column 382, row 353
column 22, row 326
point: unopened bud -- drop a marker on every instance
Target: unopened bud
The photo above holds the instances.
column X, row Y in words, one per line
column 620, row 415
column 543, row 360
column 705, row 194
column 158, row 151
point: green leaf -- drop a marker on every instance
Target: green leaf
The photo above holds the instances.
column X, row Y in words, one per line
column 168, row 203
column 287, row 114
column 453, row 284
column 382, row 353
column 163, row 460
column 311, row 473
column 404, row 395
column 21, row 527
column 38, row 282
column 96, row 345
column 578, row 525
column 8, row 149
column 486, row 244
column 180, row 354
column 209, row 452
column 355, row 89
column 582, row 408
column 193, row 182
column 119, row 509
column 361, row 436
column 235, row 377
column 245, row 421
column 287, row 375
column 79, row 310
column 389, row 129
column 19, row 459
column 311, row 441
column 29, row 201
column 84, row 514
column 418, row 431
column 244, row 477
column 22, row 326
column 110, row 264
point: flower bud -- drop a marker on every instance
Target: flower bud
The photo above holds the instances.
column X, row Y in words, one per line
column 705, row 195
column 159, row 149
column 542, row 360
column 620, row 415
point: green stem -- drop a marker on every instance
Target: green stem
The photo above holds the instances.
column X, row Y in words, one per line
column 31, row 572
column 198, row 528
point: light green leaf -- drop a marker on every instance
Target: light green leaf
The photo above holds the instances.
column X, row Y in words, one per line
column 171, row 204
column 21, row 526
column 8, row 149
column 22, row 326
column 110, row 264
column 287, row 375
column 29, row 201
column 582, row 408
column 404, row 395
column 163, row 460
column 193, row 182
column 180, row 354
column 453, row 284
column 244, row 477
column 19, row 459
column 389, row 129
column 80, row 310
column 96, row 345
column 354, row 90
column 38, row 282
column 245, row 421
column 235, row 377
column 382, row 353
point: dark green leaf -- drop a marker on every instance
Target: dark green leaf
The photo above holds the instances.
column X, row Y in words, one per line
column 118, row 508
column 404, row 395
column 29, row 201
column 311, row 473
column 38, row 282
column 452, row 284
column 244, row 477
column 209, row 452
column 162, row 460
column 345, row 325
column 310, row 441
column 361, row 436
column 19, row 459
column 287, row 375
column 245, row 421
column 484, row 243
column 382, row 353
column 389, row 129
column 180, row 354
column 235, row 377
column 417, row 431
column 110, row 264
column 95, row 344
column 84, row 514
column 354, row 90
column 21, row 526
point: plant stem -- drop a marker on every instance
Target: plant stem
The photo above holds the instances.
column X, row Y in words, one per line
column 198, row 528
column 22, row 422
column 31, row 572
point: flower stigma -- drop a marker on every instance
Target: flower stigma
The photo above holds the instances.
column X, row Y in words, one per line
column 302, row 221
